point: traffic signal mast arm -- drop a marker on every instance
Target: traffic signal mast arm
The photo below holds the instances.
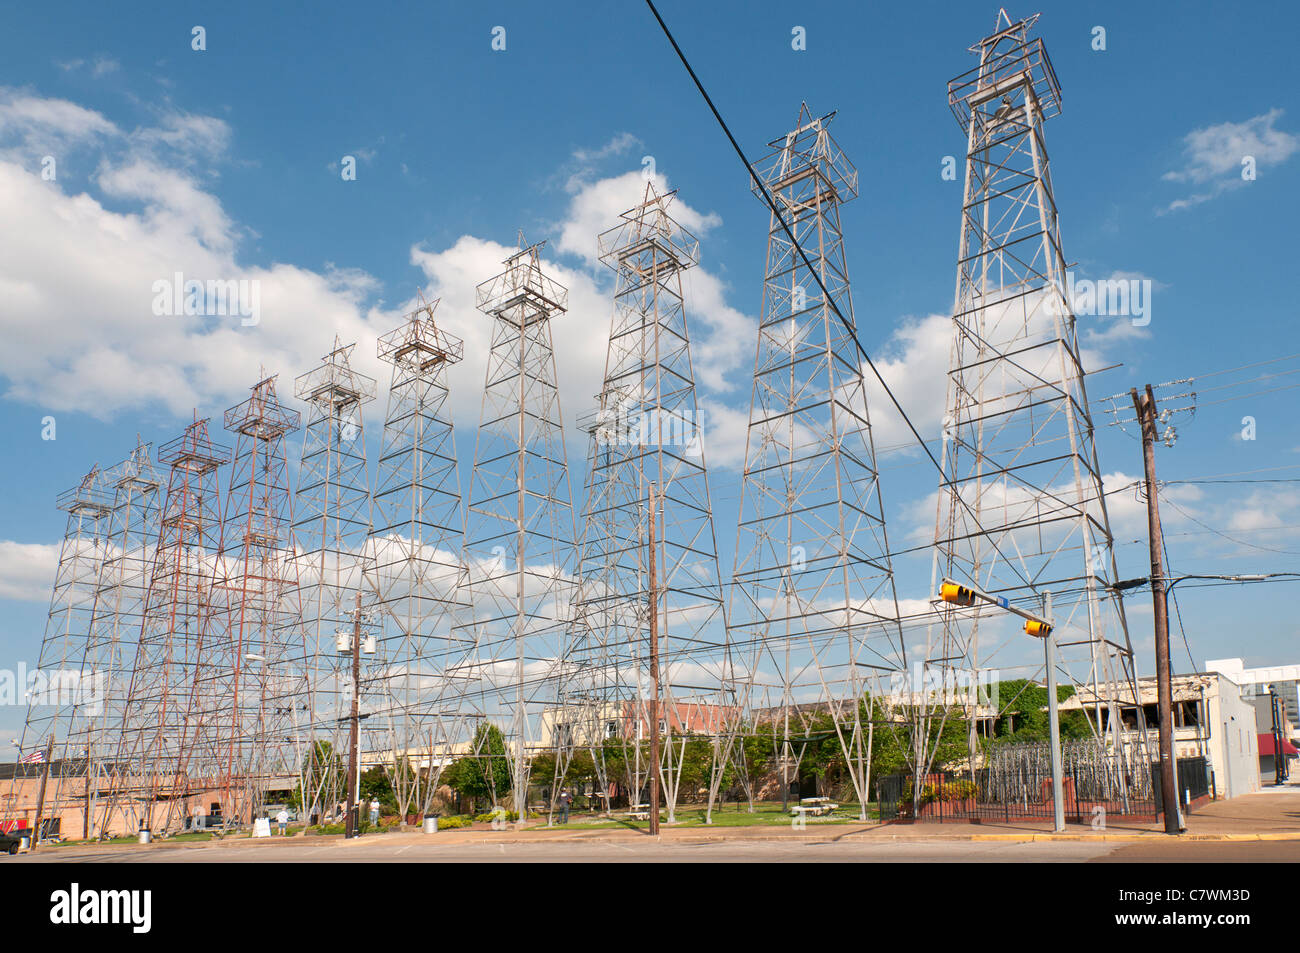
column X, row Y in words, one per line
column 961, row 595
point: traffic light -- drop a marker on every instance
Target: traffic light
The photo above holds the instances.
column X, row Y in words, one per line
column 1039, row 630
column 959, row 595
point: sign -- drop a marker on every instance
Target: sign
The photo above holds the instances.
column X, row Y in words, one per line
column 262, row 827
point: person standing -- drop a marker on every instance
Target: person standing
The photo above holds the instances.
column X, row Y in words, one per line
column 374, row 811
column 565, row 799
column 282, row 820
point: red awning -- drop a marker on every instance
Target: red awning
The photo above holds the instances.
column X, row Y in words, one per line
column 1266, row 746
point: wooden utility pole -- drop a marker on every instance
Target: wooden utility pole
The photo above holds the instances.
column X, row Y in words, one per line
column 654, row 673
column 40, row 794
column 1145, row 405
column 85, row 821
column 352, row 827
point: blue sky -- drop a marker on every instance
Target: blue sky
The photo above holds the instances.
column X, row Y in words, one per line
column 226, row 162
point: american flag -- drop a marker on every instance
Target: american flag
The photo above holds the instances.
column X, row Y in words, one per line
column 36, row 757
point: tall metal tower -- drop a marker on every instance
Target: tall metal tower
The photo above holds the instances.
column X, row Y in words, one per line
column 813, row 608
column 68, row 696
column 647, row 434
column 331, row 525
column 1021, row 509
column 520, row 532
column 417, row 572
column 119, row 614
column 250, row 725
column 163, row 755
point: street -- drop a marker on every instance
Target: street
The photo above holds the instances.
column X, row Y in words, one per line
column 755, row 851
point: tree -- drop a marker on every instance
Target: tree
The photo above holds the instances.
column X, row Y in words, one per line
column 485, row 773
column 1023, row 716
column 375, row 784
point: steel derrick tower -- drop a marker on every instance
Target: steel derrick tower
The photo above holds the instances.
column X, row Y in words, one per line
column 1021, row 507
column 163, row 756
column 646, row 434
column 250, row 727
column 417, row 575
column 69, row 695
column 119, row 613
column 520, row 529
column 332, row 514
column 813, row 612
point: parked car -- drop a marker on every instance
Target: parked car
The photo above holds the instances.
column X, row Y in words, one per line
column 9, row 843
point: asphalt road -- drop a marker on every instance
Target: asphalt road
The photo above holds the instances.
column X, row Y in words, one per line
column 721, row 852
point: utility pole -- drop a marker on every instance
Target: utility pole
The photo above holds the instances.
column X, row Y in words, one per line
column 1146, row 412
column 352, row 827
column 1054, row 719
column 40, row 795
column 85, row 821
column 654, row 674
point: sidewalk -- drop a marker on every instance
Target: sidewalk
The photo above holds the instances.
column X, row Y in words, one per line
column 1272, row 815
column 1263, row 816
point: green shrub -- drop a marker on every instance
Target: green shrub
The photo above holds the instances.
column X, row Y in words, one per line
column 493, row 815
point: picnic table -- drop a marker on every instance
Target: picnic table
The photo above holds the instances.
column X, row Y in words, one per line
column 638, row 812
column 816, row 806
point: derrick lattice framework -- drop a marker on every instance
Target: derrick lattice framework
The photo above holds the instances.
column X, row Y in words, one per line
column 119, row 614
column 646, row 434
column 67, row 698
column 417, row 573
column 251, row 725
column 179, row 663
column 332, row 512
column 1021, row 507
column 813, row 611
column 520, row 529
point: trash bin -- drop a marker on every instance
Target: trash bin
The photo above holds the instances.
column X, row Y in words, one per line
column 431, row 824
column 146, row 835
column 24, row 842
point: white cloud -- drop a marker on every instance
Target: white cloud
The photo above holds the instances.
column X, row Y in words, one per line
column 31, row 123
column 114, row 354
column 914, row 363
column 1213, row 155
column 27, row 570
column 578, row 336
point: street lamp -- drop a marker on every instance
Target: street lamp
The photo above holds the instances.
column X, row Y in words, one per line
column 1040, row 627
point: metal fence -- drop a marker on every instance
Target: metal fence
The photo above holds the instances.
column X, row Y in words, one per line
column 1016, row 784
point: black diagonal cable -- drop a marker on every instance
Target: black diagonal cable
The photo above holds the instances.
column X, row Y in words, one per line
column 850, row 327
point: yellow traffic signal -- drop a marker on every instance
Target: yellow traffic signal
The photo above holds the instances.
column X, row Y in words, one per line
column 1039, row 630
column 960, row 595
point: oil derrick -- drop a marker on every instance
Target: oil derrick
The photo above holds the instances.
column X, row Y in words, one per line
column 331, row 525
column 520, row 530
column 119, row 613
column 417, row 573
column 1021, row 509
column 813, row 611
column 67, row 696
column 160, row 757
column 248, row 721
column 592, row 699
column 646, row 435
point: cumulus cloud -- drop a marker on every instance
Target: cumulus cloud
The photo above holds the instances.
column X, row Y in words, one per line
column 27, row 570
